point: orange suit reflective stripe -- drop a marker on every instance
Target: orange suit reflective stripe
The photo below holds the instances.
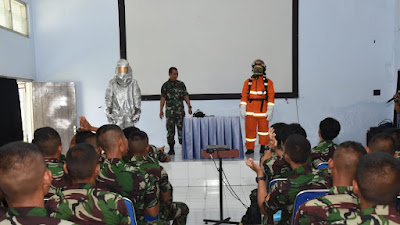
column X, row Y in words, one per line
column 255, row 116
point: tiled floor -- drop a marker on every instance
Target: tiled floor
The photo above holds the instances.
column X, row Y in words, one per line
column 197, row 184
column 203, row 202
column 204, row 173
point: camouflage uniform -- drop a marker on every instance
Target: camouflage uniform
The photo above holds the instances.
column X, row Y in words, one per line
column 28, row 216
column 60, row 179
column 131, row 182
column 276, row 167
column 174, row 93
column 85, row 204
column 60, row 182
column 340, row 203
column 176, row 211
column 283, row 194
column 157, row 155
column 380, row 214
column 102, row 158
column 55, row 166
column 322, row 152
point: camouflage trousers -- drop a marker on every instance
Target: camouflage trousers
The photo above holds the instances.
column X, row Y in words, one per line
column 176, row 211
column 172, row 121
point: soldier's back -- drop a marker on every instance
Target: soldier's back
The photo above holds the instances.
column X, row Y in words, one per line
column 86, row 204
column 129, row 181
column 341, row 203
column 28, row 216
column 380, row 214
column 283, row 194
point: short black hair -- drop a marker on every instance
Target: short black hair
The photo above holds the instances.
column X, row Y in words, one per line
column 329, row 128
column 395, row 133
column 17, row 158
column 171, row 69
column 82, row 136
column 17, row 152
column 378, row 176
column 355, row 146
column 102, row 141
column 47, row 140
column 137, row 134
column 293, row 128
column 278, row 129
column 128, row 130
column 298, row 148
column 141, row 134
column 346, row 157
column 382, row 142
column 81, row 161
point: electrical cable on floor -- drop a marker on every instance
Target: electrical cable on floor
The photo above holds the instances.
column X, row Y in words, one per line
column 228, row 185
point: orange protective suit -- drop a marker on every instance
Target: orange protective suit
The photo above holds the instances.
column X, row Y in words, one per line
column 256, row 103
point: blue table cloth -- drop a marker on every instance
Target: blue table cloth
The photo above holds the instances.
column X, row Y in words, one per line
column 199, row 132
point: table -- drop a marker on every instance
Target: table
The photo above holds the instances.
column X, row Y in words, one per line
column 197, row 133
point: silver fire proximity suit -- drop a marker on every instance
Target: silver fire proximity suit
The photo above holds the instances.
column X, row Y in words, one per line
column 123, row 97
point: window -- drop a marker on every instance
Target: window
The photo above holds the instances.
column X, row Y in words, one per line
column 13, row 16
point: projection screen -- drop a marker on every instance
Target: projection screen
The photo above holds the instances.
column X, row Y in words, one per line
column 212, row 43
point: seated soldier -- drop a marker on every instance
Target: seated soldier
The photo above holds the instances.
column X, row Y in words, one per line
column 89, row 137
column 382, row 142
column 169, row 210
column 157, row 154
column 82, row 202
column 377, row 185
column 275, row 166
column 24, row 180
column 120, row 177
column 329, row 129
column 296, row 152
column 395, row 133
column 49, row 143
column 341, row 202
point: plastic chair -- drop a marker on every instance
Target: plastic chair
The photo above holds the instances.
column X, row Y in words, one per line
column 322, row 165
column 131, row 210
column 277, row 216
column 306, row 195
column 274, row 181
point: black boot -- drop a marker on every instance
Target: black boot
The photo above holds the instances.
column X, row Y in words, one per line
column 262, row 149
column 171, row 149
column 249, row 151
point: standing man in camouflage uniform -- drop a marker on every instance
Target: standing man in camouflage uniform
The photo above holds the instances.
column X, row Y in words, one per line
column 377, row 185
column 341, row 202
column 24, row 180
column 297, row 150
column 173, row 92
column 83, row 202
column 123, row 178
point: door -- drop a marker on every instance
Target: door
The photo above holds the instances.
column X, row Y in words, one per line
column 54, row 105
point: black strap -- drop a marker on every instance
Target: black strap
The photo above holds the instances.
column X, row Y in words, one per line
column 265, row 80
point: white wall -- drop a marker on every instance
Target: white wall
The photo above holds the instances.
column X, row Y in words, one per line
column 17, row 57
column 339, row 63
